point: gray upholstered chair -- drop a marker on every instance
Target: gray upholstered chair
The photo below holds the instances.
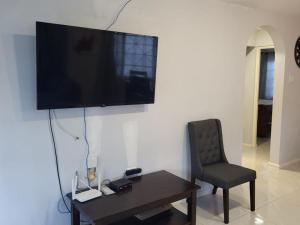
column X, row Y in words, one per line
column 209, row 163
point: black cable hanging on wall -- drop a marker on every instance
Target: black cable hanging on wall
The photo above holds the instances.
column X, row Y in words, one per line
column 56, row 162
column 118, row 14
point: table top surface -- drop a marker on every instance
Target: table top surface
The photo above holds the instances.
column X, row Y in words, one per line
column 150, row 191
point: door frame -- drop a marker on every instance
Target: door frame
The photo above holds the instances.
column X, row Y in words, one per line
column 256, row 89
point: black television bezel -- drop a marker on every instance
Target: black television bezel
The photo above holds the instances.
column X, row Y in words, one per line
column 38, row 76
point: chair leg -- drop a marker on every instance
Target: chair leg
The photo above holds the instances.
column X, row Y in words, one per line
column 193, row 181
column 226, row 205
column 252, row 195
column 215, row 190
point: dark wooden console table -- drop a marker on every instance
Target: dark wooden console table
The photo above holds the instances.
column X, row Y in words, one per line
column 149, row 192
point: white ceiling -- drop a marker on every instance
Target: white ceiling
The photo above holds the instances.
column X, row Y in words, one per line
column 291, row 7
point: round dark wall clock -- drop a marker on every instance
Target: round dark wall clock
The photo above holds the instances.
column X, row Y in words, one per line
column 297, row 52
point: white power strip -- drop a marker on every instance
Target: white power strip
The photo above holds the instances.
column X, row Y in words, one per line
column 106, row 190
column 88, row 195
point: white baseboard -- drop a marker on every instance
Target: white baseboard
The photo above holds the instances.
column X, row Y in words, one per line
column 284, row 165
column 249, row 145
column 274, row 165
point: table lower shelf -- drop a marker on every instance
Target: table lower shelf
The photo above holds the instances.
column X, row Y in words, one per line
column 175, row 217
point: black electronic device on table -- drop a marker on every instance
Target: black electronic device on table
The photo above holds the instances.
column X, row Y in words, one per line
column 120, row 185
column 133, row 173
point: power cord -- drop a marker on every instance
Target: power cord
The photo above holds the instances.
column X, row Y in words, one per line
column 87, row 144
column 61, row 211
column 105, row 182
column 118, row 14
column 56, row 162
column 63, row 128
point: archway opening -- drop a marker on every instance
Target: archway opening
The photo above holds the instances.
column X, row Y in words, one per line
column 264, row 82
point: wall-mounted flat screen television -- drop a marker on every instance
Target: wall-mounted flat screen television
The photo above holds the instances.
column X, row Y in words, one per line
column 83, row 67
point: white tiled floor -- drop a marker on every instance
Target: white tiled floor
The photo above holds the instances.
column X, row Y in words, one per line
column 277, row 195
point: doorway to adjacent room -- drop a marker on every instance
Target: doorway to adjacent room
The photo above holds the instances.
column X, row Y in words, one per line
column 259, row 97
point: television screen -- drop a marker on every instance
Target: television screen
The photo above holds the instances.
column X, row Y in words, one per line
column 82, row 67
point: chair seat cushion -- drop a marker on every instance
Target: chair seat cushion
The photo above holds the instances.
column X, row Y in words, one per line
column 225, row 175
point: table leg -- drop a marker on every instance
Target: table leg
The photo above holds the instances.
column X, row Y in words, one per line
column 192, row 201
column 75, row 215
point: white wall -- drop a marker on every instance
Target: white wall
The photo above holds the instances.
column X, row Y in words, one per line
column 260, row 38
column 257, row 40
column 248, row 125
column 201, row 68
column 263, row 39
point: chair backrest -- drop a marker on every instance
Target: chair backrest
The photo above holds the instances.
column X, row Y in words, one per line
column 206, row 142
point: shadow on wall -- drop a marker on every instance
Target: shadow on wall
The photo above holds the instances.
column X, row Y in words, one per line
column 21, row 68
column 20, row 51
column 186, row 156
